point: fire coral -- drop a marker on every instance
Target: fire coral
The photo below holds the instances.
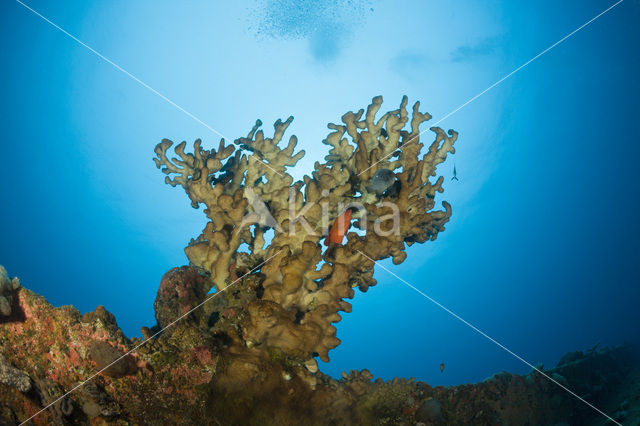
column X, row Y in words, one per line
column 301, row 288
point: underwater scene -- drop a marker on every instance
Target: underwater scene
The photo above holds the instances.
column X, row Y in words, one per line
column 297, row 212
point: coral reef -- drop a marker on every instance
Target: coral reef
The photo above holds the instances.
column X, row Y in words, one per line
column 303, row 288
column 246, row 355
column 188, row 375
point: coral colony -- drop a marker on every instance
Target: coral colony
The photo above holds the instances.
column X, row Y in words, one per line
column 301, row 299
column 281, row 257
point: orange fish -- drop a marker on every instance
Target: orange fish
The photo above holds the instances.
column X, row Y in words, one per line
column 441, row 368
column 339, row 228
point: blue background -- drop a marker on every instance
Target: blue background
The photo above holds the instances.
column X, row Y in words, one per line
column 542, row 251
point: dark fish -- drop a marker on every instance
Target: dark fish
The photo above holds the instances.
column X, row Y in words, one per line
column 384, row 133
column 229, row 164
column 441, row 367
column 222, row 178
column 393, row 189
column 251, row 149
column 226, row 178
column 381, row 181
column 454, row 173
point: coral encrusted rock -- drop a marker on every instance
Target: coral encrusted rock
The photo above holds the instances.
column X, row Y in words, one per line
column 8, row 287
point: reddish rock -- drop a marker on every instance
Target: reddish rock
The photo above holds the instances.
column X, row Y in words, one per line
column 229, row 313
column 181, row 289
column 203, row 355
column 114, row 362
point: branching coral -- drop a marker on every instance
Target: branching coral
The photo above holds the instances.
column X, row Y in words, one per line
column 304, row 287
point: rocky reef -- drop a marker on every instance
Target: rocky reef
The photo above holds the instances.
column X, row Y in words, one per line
column 7, row 286
column 195, row 373
column 239, row 328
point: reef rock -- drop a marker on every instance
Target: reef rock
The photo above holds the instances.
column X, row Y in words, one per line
column 7, row 289
column 13, row 377
column 181, row 289
column 190, row 374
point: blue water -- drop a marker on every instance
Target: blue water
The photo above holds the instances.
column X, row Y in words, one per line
column 542, row 250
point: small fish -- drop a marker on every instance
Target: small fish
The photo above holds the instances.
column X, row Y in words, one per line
column 393, row 190
column 339, row 228
column 251, row 149
column 197, row 173
column 223, row 178
column 441, row 367
column 454, row 172
column 381, row 181
column 229, row 164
